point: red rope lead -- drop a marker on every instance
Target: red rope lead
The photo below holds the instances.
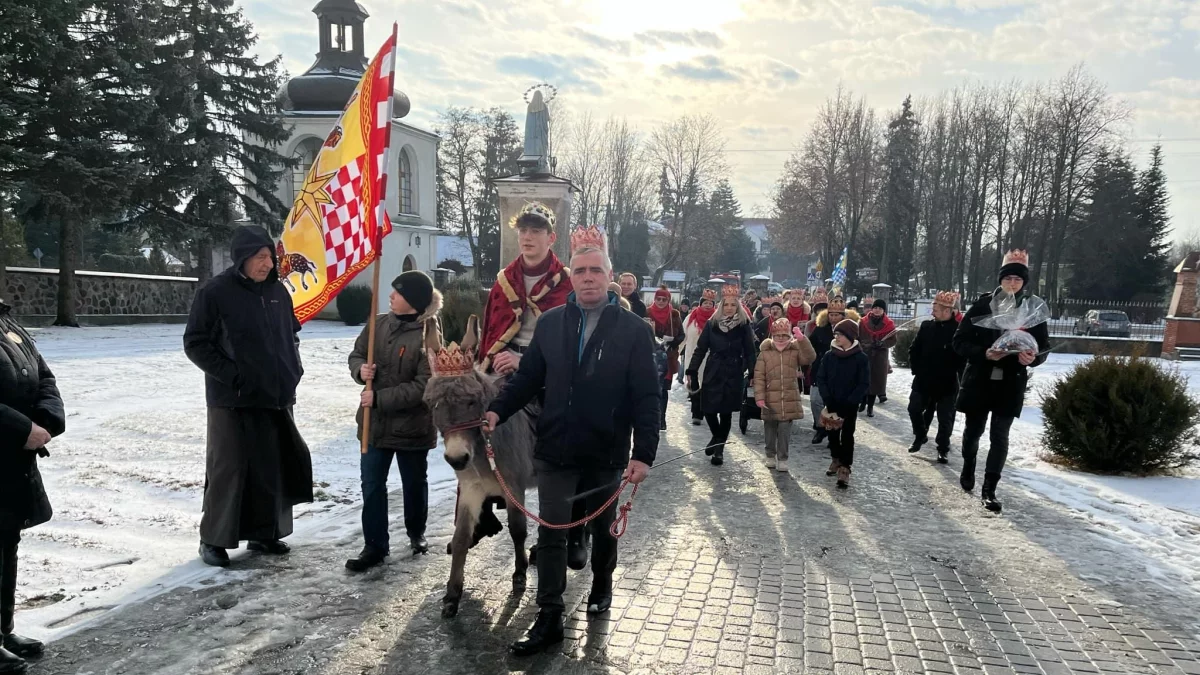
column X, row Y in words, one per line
column 620, row 523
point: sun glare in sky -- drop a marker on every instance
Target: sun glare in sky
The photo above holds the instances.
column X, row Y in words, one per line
column 622, row 18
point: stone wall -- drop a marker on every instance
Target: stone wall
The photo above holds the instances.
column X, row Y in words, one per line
column 32, row 293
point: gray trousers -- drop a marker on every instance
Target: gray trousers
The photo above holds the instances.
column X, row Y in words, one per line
column 816, row 405
column 555, row 485
column 778, row 434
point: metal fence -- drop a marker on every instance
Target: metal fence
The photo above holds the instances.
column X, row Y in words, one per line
column 1072, row 327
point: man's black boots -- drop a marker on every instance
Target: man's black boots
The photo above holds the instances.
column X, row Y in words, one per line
column 546, row 632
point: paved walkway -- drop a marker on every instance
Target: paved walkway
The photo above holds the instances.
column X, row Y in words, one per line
column 735, row 569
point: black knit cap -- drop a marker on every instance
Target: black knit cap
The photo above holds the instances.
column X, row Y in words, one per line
column 416, row 287
column 880, row 303
column 1017, row 269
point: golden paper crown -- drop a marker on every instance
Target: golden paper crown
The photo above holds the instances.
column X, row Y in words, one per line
column 536, row 209
column 452, row 361
column 1019, row 256
column 837, row 304
column 946, row 299
column 587, row 237
column 781, row 326
column 820, row 294
column 801, row 291
column 772, row 300
column 708, row 294
column 731, row 291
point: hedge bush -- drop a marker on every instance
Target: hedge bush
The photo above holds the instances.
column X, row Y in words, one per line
column 354, row 305
column 461, row 299
column 904, row 340
column 1121, row 415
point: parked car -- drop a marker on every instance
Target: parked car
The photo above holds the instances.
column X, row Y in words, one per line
column 1104, row 323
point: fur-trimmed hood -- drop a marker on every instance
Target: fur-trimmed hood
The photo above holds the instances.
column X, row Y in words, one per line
column 434, row 308
column 823, row 317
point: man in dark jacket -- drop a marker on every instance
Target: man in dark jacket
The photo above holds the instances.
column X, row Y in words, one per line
column 595, row 362
column 243, row 334
column 401, row 423
column 631, row 291
column 994, row 381
column 31, row 412
column 935, row 368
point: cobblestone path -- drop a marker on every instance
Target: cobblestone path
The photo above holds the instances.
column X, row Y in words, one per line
column 736, row 569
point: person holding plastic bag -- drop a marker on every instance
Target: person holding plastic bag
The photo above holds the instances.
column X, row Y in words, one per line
column 1001, row 336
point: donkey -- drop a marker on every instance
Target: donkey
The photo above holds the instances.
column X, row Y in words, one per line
column 460, row 398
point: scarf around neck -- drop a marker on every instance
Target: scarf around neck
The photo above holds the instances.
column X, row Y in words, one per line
column 662, row 317
column 880, row 328
column 728, row 323
column 700, row 316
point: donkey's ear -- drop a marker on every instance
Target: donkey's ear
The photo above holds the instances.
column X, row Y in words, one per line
column 433, row 337
column 470, row 339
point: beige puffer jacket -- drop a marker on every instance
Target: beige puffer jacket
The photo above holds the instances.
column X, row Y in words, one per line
column 775, row 379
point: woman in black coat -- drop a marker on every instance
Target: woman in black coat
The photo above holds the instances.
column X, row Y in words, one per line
column 728, row 342
column 994, row 381
column 31, row 412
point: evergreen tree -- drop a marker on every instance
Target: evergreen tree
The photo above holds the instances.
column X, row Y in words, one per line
column 900, row 208
column 1109, row 231
column 78, row 95
column 633, row 247
column 502, row 146
column 1154, row 224
column 214, row 145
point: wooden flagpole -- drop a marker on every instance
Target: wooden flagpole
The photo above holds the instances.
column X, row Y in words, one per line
column 378, row 243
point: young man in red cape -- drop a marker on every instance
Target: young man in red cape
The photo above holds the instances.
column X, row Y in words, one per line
column 535, row 282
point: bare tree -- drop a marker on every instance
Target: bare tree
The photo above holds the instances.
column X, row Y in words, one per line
column 460, row 157
column 691, row 154
column 583, row 159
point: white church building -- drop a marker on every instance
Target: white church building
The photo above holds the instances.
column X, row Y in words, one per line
column 311, row 104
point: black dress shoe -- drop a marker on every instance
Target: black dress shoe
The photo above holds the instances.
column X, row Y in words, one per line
column 819, row 436
column 546, row 632
column 212, row 555
column 368, row 558
column 943, row 455
column 26, row 648
column 273, row 547
column 10, row 662
column 419, row 545
column 718, row 460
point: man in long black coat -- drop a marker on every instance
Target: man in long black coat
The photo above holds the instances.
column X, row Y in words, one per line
column 593, row 362
column 31, row 412
column 243, row 334
column 935, row 368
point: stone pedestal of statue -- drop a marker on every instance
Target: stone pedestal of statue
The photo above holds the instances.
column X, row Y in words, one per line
column 517, row 191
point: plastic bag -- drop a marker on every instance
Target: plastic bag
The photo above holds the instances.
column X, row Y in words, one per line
column 1014, row 320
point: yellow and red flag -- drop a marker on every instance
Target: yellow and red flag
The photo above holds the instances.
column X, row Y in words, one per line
column 337, row 225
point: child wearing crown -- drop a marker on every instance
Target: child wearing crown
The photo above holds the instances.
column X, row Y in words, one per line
column 994, row 382
column 777, row 387
column 935, row 367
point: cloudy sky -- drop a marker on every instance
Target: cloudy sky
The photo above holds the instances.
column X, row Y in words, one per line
column 763, row 67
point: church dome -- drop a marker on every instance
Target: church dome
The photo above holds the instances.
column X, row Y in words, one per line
column 341, row 62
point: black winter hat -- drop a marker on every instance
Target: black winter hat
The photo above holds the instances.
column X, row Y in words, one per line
column 1015, row 268
column 880, row 303
column 416, row 287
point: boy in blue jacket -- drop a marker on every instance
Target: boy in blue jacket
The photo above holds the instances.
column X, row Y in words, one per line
column 843, row 379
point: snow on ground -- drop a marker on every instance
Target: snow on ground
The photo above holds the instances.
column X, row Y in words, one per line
column 126, row 479
column 1157, row 517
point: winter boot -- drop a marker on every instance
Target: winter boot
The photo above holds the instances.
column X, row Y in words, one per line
column 696, row 421
column 272, row 547
column 862, row 405
column 882, row 399
column 26, row 648
column 833, row 468
column 11, row 663
column 214, row 555
column 819, row 437
column 419, row 545
column 577, row 550
column 871, row 409
column 843, row 474
column 967, row 478
column 600, row 599
column 916, row 446
column 781, row 466
column 718, row 458
column 546, row 632
column 712, row 446
column 988, row 493
column 943, row 455
column 368, row 558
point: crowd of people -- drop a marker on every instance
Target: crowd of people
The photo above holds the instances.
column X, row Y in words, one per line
column 585, row 357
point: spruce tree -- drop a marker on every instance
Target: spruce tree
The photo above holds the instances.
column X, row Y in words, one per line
column 214, row 148
column 900, row 208
column 80, row 95
column 1154, row 227
column 502, row 146
column 1108, row 232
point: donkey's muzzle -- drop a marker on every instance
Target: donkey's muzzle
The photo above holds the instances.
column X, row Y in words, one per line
column 457, row 463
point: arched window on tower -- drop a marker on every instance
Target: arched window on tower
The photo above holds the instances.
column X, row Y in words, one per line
column 305, row 154
column 406, row 184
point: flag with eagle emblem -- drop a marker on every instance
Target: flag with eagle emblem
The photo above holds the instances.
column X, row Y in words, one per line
column 338, row 221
